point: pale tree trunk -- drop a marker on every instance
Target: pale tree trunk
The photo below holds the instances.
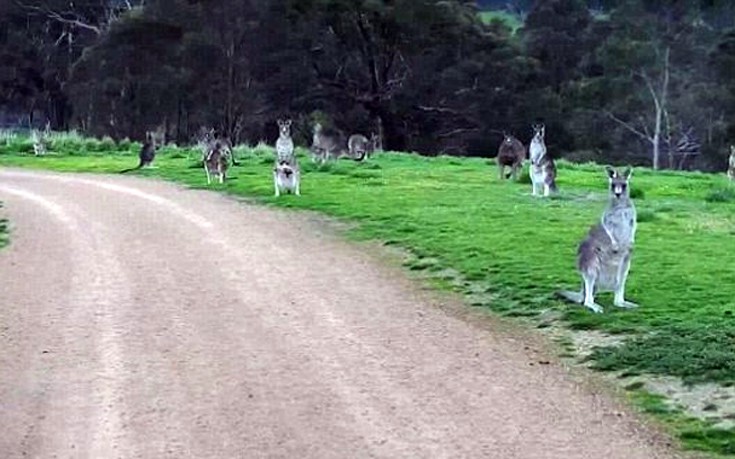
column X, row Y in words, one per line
column 660, row 100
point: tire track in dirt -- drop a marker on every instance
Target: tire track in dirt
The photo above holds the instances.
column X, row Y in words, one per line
column 195, row 326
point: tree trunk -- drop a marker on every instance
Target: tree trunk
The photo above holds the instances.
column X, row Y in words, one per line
column 395, row 138
column 657, row 140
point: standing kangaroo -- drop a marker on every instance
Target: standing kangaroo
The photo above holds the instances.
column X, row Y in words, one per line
column 511, row 153
column 287, row 176
column 543, row 169
column 603, row 258
column 204, row 140
column 39, row 142
column 731, row 164
column 216, row 162
column 147, row 153
column 284, row 144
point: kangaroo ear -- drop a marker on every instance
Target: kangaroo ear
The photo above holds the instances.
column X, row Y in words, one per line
column 628, row 172
column 611, row 172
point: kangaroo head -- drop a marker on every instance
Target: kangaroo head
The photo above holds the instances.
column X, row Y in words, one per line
column 284, row 127
column 732, row 151
column 507, row 138
column 206, row 135
column 539, row 131
column 619, row 181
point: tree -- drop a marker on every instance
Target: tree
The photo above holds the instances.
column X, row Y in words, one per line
column 650, row 61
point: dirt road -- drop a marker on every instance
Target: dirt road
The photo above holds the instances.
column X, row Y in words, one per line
column 140, row 319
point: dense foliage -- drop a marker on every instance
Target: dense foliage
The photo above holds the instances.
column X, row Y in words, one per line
column 616, row 80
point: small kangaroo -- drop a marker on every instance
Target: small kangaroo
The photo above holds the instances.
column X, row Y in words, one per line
column 360, row 147
column 326, row 144
column 603, row 258
column 228, row 152
column 204, row 140
column 147, row 153
column 731, row 164
column 284, row 144
column 39, row 142
column 511, row 153
column 543, row 169
column 216, row 163
column 377, row 141
column 287, row 176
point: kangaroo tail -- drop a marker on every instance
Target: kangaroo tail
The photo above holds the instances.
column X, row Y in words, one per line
column 574, row 297
column 132, row 169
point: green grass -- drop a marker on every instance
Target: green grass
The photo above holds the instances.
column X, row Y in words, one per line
column 508, row 251
column 694, row 434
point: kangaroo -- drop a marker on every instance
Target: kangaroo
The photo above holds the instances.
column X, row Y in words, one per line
column 360, row 147
column 511, row 153
column 216, row 162
column 147, row 153
column 204, row 140
column 284, row 144
column 731, row 164
column 228, row 149
column 377, row 141
column 603, row 258
column 326, row 144
column 543, row 169
column 287, row 176
column 39, row 142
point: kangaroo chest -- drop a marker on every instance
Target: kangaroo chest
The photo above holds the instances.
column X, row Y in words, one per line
column 621, row 223
column 284, row 145
column 537, row 150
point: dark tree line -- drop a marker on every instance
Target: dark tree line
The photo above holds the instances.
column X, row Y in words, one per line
column 644, row 81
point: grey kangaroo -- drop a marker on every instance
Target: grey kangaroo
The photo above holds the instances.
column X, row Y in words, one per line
column 360, row 147
column 511, row 153
column 216, row 162
column 284, row 144
column 39, row 142
column 603, row 258
column 147, row 153
column 326, row 144
column 287, row 176
column 543, row 169
column 731, row 164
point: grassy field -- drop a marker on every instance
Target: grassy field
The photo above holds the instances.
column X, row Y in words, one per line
column 509, row 252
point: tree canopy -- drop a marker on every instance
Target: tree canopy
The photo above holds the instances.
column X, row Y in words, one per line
column 655, row 76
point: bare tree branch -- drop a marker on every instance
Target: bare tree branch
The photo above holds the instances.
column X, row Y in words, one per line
column 62, row 17
column 456, row 132
column 450, row 111
column 627, row 126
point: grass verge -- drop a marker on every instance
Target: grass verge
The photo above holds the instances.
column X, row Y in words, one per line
column 507, row 251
